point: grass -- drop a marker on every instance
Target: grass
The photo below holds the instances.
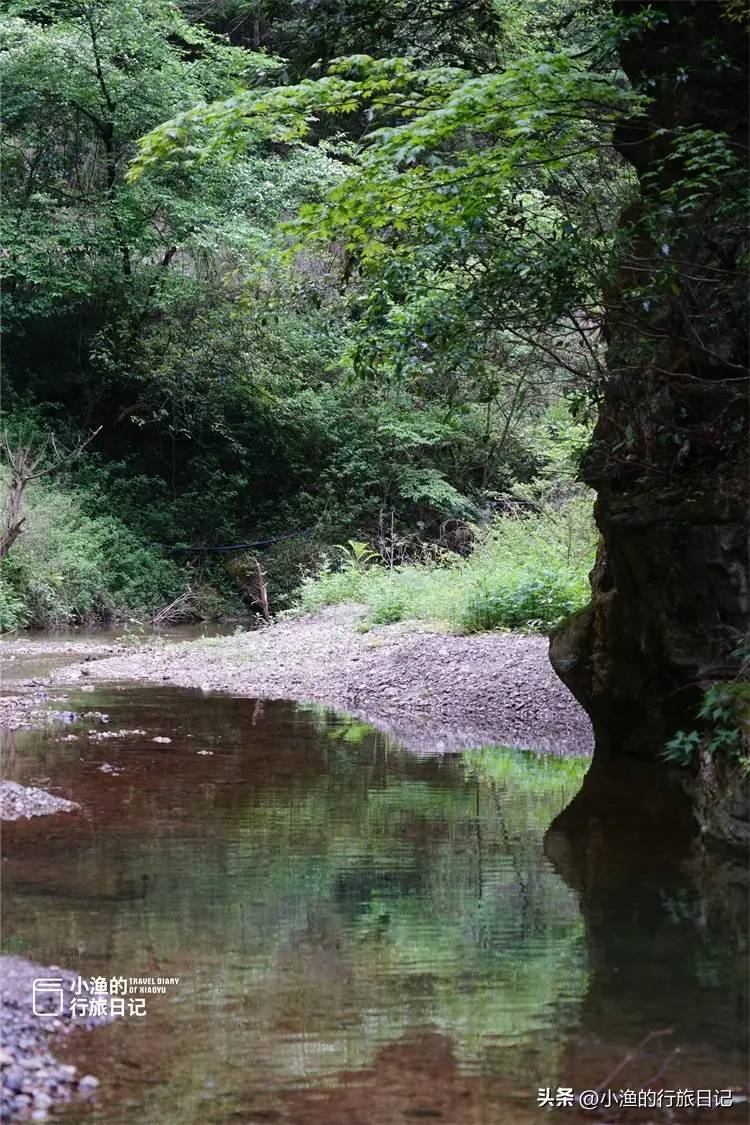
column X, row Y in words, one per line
column 526, row 572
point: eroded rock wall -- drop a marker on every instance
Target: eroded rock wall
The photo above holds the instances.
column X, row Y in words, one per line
column 669, row 610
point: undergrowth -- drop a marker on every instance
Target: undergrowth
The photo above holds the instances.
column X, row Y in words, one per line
column 723, row 727
column 525, row 572
column 70, row 567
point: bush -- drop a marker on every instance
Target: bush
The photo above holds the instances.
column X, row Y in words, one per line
column 724, row 720
column 540, row 600
column 525, row 572
column 69, row 567
column 13, row 611
column 388, row 612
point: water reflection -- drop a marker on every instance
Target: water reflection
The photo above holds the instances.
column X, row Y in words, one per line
column 37, row 653
column 348, row 921
column 666, row 933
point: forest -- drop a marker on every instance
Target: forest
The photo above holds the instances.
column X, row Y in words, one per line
column 263, row 349
column 399, row 353
column 353, row 283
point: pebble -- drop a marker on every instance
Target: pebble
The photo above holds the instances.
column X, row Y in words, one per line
column 103, row 735
column 32, row 1082
column 17, row 801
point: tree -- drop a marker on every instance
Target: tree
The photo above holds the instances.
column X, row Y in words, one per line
column 471, row 212
column 29, row 463
column 310, row 33
column 468, row 221
column 121, row 301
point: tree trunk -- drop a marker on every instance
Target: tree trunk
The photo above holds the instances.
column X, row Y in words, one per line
column 13, row 521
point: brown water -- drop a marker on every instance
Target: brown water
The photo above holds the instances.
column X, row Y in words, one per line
column 37, row 653
column 362, row 934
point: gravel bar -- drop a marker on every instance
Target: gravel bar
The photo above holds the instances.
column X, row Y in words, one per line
column 431, row 690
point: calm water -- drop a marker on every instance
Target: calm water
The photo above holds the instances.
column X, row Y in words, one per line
column 37, row 653
column 361, row 934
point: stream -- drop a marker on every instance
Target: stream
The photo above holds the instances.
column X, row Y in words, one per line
column 358, row 933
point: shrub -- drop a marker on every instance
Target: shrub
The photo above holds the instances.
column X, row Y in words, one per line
column 538, row 601
column 525, row 572
column 388, row 612
column 724, row 719
column 69, row 567
column 13, row 611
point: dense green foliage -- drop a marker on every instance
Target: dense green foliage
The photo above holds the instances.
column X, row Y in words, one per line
column 380, row 315
column 724, row 721
column 70, row 567
column 524, row 572
column 230, row 361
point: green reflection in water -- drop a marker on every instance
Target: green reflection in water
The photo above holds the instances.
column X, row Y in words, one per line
column 318, row 891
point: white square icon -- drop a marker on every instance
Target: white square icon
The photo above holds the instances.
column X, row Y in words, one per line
column 47, row 996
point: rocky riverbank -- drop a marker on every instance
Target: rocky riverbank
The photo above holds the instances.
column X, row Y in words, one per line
column 32, row 1081
column 432, row 691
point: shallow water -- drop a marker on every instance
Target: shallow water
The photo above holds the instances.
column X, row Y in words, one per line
column 35, row 653
column 360, row 934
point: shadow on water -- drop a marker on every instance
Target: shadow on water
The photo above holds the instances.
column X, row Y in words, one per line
column 362, row 934
column 666, row 934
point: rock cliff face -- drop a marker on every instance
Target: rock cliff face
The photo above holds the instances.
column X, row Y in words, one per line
column 669, row 606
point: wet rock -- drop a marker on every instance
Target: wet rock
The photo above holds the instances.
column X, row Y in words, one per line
column 18, row 801
column 721, row 800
